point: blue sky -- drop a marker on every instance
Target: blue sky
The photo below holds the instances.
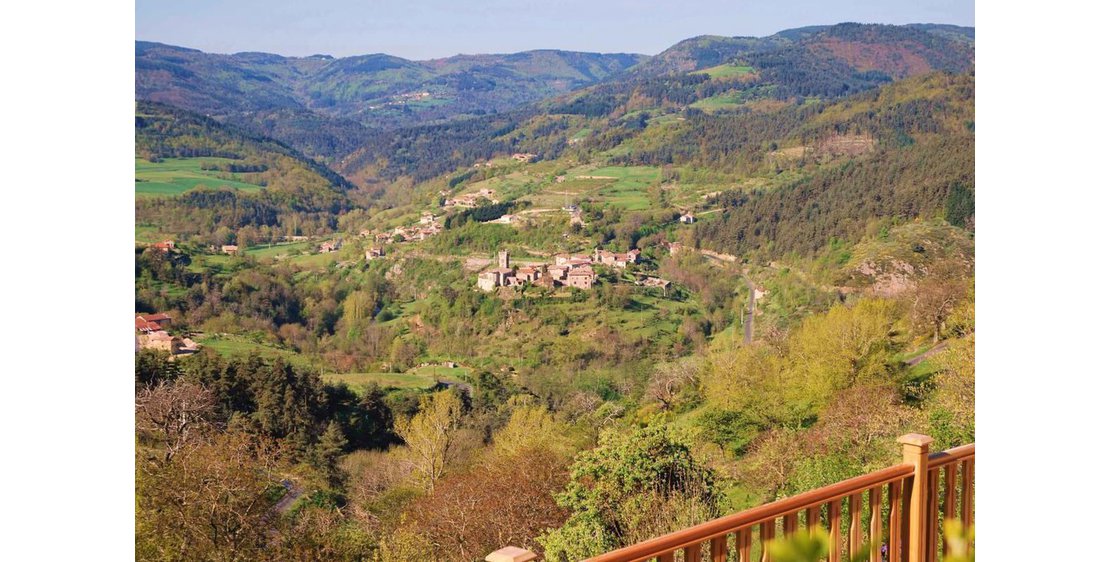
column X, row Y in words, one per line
column 423, row 29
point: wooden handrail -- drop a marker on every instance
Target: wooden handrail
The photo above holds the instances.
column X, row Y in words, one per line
column 951, row 455
column 812, row 501
column 731, row 523
column 912, row 496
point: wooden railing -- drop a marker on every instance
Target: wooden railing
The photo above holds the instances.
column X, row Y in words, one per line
column 897, row 510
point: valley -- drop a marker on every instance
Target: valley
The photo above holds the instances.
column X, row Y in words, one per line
column 755, row 254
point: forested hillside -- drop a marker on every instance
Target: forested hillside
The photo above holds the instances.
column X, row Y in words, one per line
column 294, row 98
column 773, row 242
column 242, row 179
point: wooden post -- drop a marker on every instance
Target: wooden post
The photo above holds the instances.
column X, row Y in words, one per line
column 915, row 451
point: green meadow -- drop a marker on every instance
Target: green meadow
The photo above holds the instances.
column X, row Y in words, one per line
column 727, row 100
column 727, row 71
column 173, row 176
column 357, row 381
column 279, row 250
column 417, row 378
column 630, row 188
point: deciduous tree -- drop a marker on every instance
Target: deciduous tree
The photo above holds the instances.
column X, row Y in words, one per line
column 431, row 436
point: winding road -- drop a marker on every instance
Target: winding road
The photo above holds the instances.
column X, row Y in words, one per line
column 749, row 324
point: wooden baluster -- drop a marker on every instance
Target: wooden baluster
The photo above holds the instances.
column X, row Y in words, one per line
column 903, row 516
column 789, row 524
column 894, row 497
column 855, row 532
column 875, row 500
column 766, row 535
column 692, row 553
column 668, row 557
column 813, row 519
column 949, row 500
column 915, row 452
column 967, row 494
column 744, row 545
column 834, row 531
column 931, row 514
column 718, row 548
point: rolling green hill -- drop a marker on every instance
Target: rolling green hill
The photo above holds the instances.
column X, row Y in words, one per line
column 377, row 90
column 196, row 175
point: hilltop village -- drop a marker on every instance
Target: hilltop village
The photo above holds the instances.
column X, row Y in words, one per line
column 567, row 270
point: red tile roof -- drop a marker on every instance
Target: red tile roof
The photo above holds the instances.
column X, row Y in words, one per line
column 145, row 326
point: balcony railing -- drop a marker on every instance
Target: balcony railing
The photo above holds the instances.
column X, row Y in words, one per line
column 904, row 506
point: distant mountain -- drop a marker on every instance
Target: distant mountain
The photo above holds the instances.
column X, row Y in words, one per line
column 710, row 74
column 377, row 90
column 378, row 116
column 898, row 51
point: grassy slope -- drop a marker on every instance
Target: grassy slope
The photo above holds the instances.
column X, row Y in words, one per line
column 173, row 176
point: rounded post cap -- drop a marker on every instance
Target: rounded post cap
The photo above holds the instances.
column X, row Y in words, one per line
column 915, row 439
column 511, row 554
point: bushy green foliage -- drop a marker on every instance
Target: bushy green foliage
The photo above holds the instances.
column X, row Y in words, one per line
column 633, row 486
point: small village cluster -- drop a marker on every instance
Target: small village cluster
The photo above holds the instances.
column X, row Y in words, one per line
column 151, row 333
column 470, row 200
column 426, row 228
column 568, row 270
column 525, row 157
column 167, row 246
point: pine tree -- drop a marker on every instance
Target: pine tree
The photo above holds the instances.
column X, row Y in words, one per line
column 327, row 452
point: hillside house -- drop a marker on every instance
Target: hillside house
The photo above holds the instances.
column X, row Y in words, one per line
column 581, row 278
column 229, row 249
column 487, row 281
column 160, row 340
column 528, row 273
column 161, row 320
column 572, row 260
column 330, row 246
column 164, row 246
column 616, row 259
column 558, row 272
column 656, row 282
column 504, row 219
column 524, row 157
column 188, row 346
column 687, row 218
column 374, row 253
column 150, row 323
